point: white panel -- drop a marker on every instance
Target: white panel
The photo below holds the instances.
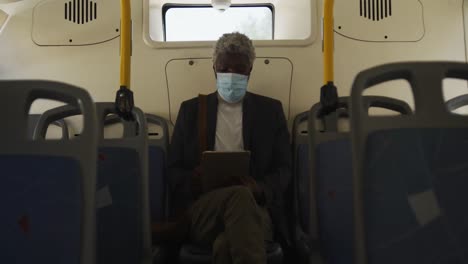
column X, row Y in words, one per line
column 295, row 19
column 75, row 22
column 3, row 18
column 380, row 20
column 14, row 7
column 189, row 77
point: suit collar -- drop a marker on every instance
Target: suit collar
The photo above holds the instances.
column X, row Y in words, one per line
column 212, row 109
column 247, row 120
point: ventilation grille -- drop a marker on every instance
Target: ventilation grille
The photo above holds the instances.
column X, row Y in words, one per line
column 375, row 9
column 80, row 11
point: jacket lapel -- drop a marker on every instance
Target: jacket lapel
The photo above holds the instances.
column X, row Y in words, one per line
column 212, row 109
column 247, row 120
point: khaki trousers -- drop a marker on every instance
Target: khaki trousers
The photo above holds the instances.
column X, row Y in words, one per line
column 229, row 221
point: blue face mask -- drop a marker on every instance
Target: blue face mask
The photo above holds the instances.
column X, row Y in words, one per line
column 231, row 86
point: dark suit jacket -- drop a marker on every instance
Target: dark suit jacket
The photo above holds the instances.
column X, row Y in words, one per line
column 265, row 134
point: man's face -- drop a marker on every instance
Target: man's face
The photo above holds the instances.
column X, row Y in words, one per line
column 232, row 63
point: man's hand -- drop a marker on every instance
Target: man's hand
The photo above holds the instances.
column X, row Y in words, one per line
column 257, row 192
column 196, row 182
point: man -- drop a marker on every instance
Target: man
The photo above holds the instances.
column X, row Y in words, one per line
column 234, row 220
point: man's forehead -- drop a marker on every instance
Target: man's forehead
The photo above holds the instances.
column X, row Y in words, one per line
column 238, row 57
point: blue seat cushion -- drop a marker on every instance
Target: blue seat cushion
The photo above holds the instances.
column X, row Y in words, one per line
column 119, row 218
column 415, row 195
column 335, row 200
column 157, row 184
column 40, row 201
column 334, row 197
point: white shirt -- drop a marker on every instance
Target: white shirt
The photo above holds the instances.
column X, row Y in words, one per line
column 229, row 135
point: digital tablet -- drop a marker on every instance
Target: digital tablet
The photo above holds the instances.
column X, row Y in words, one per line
column 223, row 169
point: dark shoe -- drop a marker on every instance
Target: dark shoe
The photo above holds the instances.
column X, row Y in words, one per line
column 171, row 232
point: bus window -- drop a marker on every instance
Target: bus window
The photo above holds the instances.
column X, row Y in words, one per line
column 267, row 22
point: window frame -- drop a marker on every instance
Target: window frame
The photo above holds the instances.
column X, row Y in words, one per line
column 314, row 36
column 4, row 21
column 166, row 7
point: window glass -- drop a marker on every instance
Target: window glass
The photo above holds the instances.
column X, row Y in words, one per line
column 202, row 23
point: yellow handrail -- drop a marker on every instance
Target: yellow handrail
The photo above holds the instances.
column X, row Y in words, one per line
column 328, row 41
column 125, row 43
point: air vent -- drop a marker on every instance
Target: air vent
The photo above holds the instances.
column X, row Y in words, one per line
column 80, row 11
column 375, row 9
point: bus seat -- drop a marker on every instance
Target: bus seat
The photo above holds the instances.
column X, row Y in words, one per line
column 326, row 211
column 158, row 182
column 158, row 148
column 157, row 151
column 47, row 194
column 457, row 102
column 123, row 227
column 410, row 172
column 122, row 189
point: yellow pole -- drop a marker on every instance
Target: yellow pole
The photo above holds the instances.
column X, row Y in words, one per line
column 125, row 43
column 328, row 41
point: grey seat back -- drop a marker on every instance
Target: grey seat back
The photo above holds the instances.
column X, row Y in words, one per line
column 457, row 102
column 47, row 190
column 33, row 120
column 409, row 172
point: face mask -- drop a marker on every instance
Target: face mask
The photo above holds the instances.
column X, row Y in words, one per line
column 231, row 86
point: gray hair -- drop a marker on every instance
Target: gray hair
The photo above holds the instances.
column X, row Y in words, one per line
column 237, row 43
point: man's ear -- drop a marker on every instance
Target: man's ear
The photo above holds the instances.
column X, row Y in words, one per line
column 250, row 71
